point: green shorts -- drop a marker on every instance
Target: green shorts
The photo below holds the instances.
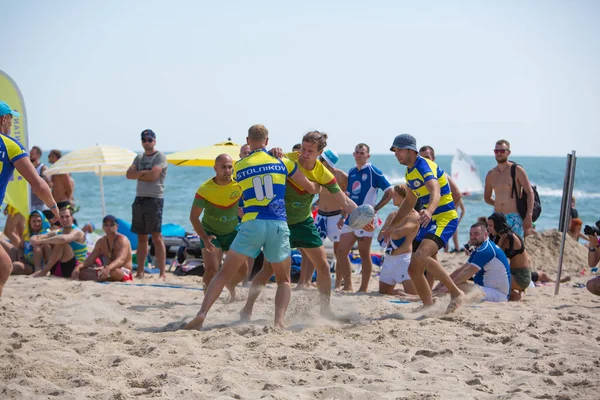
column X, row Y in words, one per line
column 522, row 276
column 222, row 242
column 305, row 235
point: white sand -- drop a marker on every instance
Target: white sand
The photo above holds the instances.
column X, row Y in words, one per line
column 75, row 340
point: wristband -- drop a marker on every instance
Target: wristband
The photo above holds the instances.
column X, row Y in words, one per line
column 54, row 206
column 592, row 248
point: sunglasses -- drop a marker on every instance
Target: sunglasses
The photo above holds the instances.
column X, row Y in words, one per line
column 322, row 159
column 109, row 224
column 501, row 151
column 147, row 140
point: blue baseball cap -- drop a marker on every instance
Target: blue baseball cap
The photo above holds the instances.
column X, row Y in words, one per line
column 330, row 157
column 148, row 134
column 5, row 110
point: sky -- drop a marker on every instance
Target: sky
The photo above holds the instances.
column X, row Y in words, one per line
column 459, row 74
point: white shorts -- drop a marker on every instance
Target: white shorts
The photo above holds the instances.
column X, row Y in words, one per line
column 395, row 268
column 494, row 295
column 327, row 227
column 362, row 233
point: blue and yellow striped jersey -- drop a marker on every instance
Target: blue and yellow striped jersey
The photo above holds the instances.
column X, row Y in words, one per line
column 10, row 151
column 423, row 171
column 262, row 179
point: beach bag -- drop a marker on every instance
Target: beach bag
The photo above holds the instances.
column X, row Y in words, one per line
column 522, row 200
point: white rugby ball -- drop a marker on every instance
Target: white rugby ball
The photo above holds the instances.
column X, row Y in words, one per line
column 361, row 216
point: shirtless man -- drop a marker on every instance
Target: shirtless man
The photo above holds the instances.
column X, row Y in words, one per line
column 34, row 155
column 62, row 188
column 499, row 181
column 329, row 222
column 68, row 246
column 114, row 250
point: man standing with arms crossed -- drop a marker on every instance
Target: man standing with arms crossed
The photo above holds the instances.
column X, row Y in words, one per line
column 14, row 156
column 34, row 155
column 499, row 181
column 363, row 182
column 149, row 169
column 218, row 198
column 262, row 178
column 438, row 218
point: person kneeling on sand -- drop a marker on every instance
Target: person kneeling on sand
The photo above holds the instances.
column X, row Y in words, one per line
column 114, row 252
column 27, row 259
column 68, row 246
column 398, row 249
column 487, row 265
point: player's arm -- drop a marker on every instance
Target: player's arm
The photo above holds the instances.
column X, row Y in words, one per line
column 38, row 185
column 456, row 196
column 152, row 175
column 487, row 191
column 433, row 187
column 195, row 213
column 387, row 196
column 409, row 226
column 301, row 180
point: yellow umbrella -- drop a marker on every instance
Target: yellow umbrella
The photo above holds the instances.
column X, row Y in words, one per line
column 103, row 160
column 205, row 156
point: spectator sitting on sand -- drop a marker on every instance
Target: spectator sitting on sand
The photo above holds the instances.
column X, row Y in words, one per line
column 68, row 246
column 114, row 252
column 26, row 258
column 487, row 265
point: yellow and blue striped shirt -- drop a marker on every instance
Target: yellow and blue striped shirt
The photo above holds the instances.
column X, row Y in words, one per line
column 423, row 171
column 10, row 151
column 262, row 179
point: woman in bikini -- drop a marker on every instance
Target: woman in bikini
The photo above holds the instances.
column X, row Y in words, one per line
column 514, row 248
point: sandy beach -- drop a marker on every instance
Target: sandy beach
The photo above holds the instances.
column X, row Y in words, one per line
column 76, row 340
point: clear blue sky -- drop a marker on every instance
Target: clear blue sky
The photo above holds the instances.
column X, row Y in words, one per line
column 454, row 75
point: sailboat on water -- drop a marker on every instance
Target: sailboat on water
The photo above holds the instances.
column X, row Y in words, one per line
column 466, row 175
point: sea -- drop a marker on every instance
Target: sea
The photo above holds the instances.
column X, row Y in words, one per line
column 181, row 183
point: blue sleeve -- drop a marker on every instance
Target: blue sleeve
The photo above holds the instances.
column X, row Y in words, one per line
column 379, row 180
column 482, row 257
column 425, row 170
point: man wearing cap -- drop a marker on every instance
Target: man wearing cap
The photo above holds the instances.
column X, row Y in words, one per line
column 364, row 181
column 114, row 252
column 328, row 221
column 149, row 169
column 438, row 218
column 14, row 156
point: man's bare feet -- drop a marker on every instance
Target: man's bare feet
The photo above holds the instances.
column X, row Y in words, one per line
column 245, row 315
column 195, row 323
column 139, row 275
column 455, row 302
column 424, row 307
column 301, row 286
column 279, row 324
column 162, row 277
column 231, row 296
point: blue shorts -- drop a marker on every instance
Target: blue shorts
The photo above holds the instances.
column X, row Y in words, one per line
column 440, row 229
column 272, row 236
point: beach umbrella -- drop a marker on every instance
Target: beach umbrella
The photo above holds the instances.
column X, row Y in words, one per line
column 205, row 156
column 102, row 160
